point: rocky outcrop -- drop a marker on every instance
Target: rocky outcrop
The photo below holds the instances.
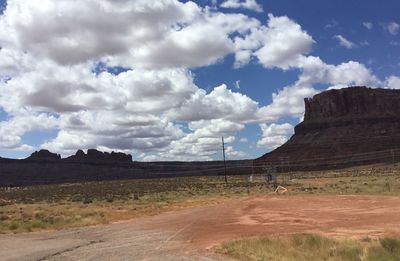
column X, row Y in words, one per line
column 351, row 103
column 345, row 127
column 44, row 167
column 44, row 155
column 92, row 156
column 95, row 156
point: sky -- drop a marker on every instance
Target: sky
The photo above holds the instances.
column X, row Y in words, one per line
column 165, row 80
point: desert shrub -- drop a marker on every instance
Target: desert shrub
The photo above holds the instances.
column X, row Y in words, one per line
column 392, row 245
column 352, row 253
column 300, row 247
column 309, row 241
column 366, row 239
column 76, row 198
column 4, row 217
column 37, row 224
column 109, row 198
column 13, row 225
column 377, row 253
column 87, row 201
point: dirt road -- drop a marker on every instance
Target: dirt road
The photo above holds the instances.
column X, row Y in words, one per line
column 191, row 233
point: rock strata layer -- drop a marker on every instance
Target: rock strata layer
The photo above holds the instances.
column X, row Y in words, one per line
column 345, row 127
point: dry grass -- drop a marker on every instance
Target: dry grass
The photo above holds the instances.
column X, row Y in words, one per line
column 375, row 180
column 304, row 247
column 71, row 205
column 38, row 216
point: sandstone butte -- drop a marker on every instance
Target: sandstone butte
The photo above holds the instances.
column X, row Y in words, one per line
column 343, row 127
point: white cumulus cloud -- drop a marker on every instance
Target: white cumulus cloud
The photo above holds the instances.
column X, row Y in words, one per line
column 368, row 25
column 245, row 4
column 345, row 42
column 392, row 27
column 50, row 78
column 284, row 41
column 274, row 135
column 393, row 82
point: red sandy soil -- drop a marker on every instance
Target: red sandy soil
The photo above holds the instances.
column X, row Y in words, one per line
column 187, row 234
column 337, row 216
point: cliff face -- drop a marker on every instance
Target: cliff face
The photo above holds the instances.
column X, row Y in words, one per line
column 352, row 102
column 351, row 126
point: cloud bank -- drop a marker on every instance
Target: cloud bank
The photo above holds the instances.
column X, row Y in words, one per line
column 117, row 75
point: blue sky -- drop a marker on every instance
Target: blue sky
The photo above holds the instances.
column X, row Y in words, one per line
column 167, row 82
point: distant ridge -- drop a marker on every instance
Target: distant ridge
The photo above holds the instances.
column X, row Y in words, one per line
column 45, row 167
column 341, row 128
column 344, row 127
column 92, row 156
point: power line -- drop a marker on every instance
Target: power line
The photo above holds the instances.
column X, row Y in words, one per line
column 223, row 153
column 217, row 163
column 201, row 166
column 351, row 156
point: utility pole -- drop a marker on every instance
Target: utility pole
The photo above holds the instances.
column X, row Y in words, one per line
column 223, row 154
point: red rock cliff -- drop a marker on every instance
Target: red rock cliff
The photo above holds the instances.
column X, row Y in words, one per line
column 345, row 127
column 352, row 102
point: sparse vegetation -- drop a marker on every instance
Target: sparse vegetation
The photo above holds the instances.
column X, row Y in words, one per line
column 34, row 208
column 305, row 247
